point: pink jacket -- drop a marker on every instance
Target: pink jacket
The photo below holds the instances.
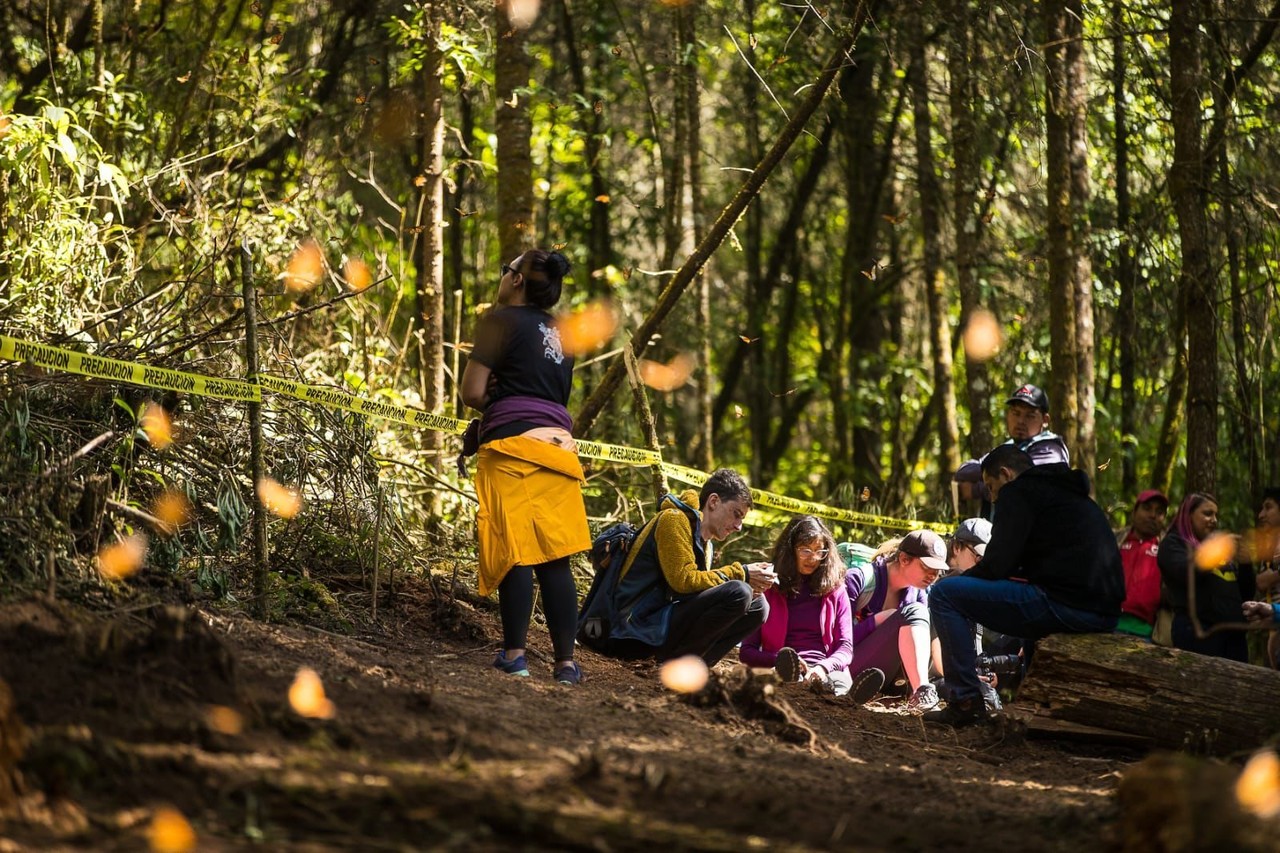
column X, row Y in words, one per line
column 760, row 648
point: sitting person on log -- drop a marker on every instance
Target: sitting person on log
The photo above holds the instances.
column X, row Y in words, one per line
column 1052, row 566
column 1219, row 588
column 891, row 612
column 999, row 655
column 808, row 634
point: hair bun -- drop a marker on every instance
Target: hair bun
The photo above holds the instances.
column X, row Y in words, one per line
column 557, row 265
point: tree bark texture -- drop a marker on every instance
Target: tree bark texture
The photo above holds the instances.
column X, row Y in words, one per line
column 720, row 228
column 1179, row 700
column 431, row 221
column 964, row 198
column 931, row 233
column 1196, row 280
column 1064, row 400
column 1126, row 268
column 1085, row 450
column 514, row 130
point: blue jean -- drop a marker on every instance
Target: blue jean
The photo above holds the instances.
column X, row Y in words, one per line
column 1010, row 607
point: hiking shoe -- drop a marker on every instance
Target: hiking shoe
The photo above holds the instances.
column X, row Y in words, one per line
column 924, row 699
column 965, row 712
column 570, row 673
column 866, row 685
column 788, row 664
column 511, row 667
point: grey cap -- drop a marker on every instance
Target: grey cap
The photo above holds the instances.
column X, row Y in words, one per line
column 975, row 532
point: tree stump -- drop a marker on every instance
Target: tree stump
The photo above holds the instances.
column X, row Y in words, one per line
column 1121, row 685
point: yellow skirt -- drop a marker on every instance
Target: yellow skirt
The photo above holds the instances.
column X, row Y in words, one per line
column 531, row 508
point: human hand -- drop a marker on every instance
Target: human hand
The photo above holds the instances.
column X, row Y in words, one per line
column 813, row 673
column 1257, row 611
column 761, row 576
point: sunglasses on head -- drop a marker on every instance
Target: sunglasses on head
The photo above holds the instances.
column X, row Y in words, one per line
column 507, row 268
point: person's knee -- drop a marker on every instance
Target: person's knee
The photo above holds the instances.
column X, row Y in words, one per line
column 915, row 613
column 737, row 594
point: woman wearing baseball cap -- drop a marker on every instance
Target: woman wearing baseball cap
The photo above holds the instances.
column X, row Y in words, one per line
column 891, row 613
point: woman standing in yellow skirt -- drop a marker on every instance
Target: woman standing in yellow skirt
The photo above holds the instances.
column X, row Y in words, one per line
column 529, row 481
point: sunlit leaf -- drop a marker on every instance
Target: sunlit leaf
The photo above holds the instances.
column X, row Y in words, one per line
column 305, row 267
column 1258, row 788
column 982, row 337
column 224, row 720
column 686, row 674
column 747, row 340
column 173, row 508
column 156, row 424
column 4, row 126
column 737, row 410
column 603, row 198
column 170, row 832
column 1215, row 551
column 357, row 274
column 588, row 328
column 121, row 559
column 279, row 500
column 666, row 377
column 306, row 695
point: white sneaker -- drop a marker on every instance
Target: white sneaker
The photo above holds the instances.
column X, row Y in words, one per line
column 924, row 699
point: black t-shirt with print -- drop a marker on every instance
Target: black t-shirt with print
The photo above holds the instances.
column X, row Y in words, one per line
column 521, row 345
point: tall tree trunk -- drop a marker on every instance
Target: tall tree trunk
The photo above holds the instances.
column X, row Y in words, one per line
column 430, row 266
column 1060, row 236
column 1196, row 281
column 514, row 131
column 1086, row 448
column 964, row 132
column 687, row 23
column 759, row 402
column 931, row 228
column 1126, row 268
column 455, row 259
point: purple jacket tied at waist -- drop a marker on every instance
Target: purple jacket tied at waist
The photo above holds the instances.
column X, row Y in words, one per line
column 536, row 410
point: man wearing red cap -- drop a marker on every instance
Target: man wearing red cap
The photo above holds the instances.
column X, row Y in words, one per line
column 1026, row 417
column 1138, row 545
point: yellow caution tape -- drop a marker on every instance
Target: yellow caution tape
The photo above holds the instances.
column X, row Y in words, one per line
column 362, row 405
column 56, row 358
column 71, row 361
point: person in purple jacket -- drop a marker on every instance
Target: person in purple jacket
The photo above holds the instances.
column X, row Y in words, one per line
column 808, row 634
column 891, row 624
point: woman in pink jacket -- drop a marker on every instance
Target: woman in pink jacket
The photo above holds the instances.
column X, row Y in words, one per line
column 808, row 634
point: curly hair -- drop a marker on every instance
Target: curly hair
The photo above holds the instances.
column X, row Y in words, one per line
column 802, row 530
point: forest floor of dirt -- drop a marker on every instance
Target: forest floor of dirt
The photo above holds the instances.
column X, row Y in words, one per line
column 431, row 748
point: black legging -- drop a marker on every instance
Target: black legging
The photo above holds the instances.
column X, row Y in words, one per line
column 559, row 603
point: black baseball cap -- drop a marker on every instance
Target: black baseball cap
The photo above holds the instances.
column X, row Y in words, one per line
column 1032, row 396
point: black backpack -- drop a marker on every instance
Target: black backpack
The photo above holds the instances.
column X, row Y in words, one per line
column 608, row 555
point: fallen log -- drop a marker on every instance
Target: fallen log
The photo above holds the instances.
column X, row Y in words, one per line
column 1166, row 697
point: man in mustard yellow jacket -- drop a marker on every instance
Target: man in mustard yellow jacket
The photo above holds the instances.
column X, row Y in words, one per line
column 668, row 602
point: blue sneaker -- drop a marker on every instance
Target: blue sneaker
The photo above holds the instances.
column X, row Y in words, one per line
column 570, row 673
column 510, row 667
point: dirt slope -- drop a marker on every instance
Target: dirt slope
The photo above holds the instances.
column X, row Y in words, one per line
column 432, row 749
